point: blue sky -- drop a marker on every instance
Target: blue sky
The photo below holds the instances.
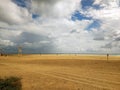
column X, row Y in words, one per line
column 87, row 3
column 77, row 15
column 51, row 26
column 20, row 3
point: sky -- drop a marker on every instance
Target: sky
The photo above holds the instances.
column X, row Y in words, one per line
column 60, row 26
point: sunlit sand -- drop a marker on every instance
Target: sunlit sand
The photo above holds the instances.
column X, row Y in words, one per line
column 63, row 72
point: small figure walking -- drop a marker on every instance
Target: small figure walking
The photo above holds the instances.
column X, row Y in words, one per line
column 107, row 56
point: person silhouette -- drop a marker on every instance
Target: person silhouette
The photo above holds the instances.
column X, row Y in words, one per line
column 107, row 56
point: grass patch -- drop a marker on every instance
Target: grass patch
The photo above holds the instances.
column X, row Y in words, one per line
column 10, row 83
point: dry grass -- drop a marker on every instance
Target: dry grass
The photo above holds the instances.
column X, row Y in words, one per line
column 63, row 72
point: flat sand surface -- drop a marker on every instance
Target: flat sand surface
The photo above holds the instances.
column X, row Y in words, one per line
column 63, row 72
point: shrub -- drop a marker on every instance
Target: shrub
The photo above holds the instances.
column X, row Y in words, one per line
column 10, row 83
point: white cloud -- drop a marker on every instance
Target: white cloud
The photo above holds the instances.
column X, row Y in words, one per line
column 55, row 8
column 106, row 13
column 6, row 43
column 109, row 15
column 107, row 3
column 12, row 14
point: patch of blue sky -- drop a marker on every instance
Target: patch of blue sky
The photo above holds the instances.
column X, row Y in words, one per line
column 78, row 16
column 95, row 24
column 21, row 3
column 35, row 16
column 89, row 3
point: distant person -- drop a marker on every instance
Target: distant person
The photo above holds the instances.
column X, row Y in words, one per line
column 107, row 56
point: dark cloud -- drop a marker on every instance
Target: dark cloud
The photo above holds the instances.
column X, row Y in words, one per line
column 108, row 45
column 99, row 38
column 46, row 48
column 46, row 1
column 30, row 38
column 35, row 44
column 73, row 31
column 117, row 39
column 38, row 43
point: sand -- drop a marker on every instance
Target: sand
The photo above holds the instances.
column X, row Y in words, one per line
column 63, row 72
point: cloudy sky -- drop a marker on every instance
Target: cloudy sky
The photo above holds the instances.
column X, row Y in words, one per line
column 60, row 26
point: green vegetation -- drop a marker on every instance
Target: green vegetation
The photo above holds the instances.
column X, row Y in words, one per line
column 10, row 83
